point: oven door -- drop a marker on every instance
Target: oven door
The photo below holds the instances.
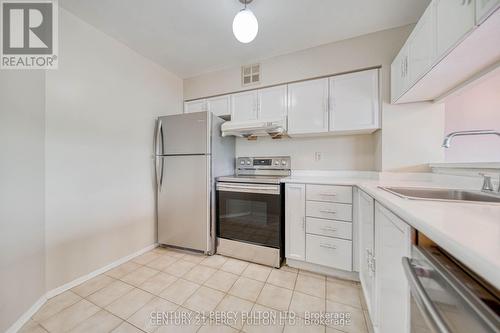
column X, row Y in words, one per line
column 250, row 213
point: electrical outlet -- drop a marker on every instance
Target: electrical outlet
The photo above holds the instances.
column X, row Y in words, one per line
column 317, row 156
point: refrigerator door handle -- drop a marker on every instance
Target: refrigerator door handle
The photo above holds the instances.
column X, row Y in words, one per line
column 159, row 172
column 158, row 141
column 158, row 150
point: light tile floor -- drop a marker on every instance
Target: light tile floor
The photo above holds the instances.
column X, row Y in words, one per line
column 182, row 284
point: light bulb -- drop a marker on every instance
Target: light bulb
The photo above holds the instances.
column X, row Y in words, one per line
column 245, row 26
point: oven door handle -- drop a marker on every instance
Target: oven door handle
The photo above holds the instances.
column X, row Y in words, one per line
column 254, row 188
column 424, row 304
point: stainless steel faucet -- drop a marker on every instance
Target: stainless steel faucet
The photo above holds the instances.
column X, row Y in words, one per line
column 447, row 139
column 487, row 184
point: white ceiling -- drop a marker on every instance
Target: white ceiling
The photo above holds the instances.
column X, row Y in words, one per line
column 190, row 37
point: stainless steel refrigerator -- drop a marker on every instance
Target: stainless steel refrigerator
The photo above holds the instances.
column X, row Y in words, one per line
column 190, row 153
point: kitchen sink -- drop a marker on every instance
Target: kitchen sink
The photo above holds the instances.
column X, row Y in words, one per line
column 442, row 194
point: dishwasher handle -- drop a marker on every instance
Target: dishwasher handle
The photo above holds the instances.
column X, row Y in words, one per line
column 424, row 304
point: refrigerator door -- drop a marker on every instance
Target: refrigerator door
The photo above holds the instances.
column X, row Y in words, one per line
column 184, row 201
column 183, row 134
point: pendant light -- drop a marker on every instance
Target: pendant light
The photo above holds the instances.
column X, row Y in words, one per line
column 245, row 25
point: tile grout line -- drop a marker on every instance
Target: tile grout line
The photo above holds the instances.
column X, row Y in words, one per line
column 196, row 264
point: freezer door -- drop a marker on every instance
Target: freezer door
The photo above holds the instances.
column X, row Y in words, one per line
column 184, row 202
column 183, row 134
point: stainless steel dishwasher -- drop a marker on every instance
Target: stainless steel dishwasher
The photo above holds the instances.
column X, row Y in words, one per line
column 446, row 297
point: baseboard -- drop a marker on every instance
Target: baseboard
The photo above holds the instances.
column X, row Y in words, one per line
column 80, row 280
column 27, row 315
column 345, row 275
column 56, row 291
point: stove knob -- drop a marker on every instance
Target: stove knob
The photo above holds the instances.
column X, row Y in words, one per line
column 276, row 163
column 242, row 162
column 248, row 162
column 283, row 162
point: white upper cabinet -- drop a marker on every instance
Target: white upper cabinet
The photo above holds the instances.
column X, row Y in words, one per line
column 392, row 243
column 199, row 105
column 454, row 19
column 354, row 101
column 422, row 44
column 219, row 106
column 272, row 103
column 452, row 45
column 399, row 74
column 484, row 8
column 308, row 107
column 244, row 106
column 295, row 217
column 366, row 222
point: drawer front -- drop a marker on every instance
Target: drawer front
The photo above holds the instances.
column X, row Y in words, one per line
column 329, row 210
column 329, row 228
column 328, row 193
column 331, row 252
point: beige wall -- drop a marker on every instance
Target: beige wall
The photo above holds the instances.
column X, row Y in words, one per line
column 475, row 107
column 376, row 49
column 22, row 245
column 354, row 152
column 101, row 107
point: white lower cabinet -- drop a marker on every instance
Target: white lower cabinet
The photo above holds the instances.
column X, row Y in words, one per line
column 329, row 251
column 315, row 236
column 330, row 228
column 392, row 242
column 329, row 210
column 319, row 232
column 295, row 225
column 366, row 221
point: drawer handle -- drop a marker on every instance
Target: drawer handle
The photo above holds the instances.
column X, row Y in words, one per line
column 328, row 246
column 328, row 211
column 329, row 229
column 328, row 194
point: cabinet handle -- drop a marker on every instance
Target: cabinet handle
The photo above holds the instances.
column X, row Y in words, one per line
column 328, row 194
column 303, row 223
column 328, row 211
column 329, row 229
column 328, row 246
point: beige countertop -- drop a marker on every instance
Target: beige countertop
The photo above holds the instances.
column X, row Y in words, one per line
column 468, row 231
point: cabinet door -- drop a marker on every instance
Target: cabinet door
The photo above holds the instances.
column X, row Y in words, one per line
column 366, row 220
column 244, row 106
column 272, row 103
column 295, row 221
column 354, row 101
column 199, row 105
column 454, row 19
column 399, row 74
column 219, row 106
column 308, row 107
column 422, row 45
column 484, row 8
column 392, row 242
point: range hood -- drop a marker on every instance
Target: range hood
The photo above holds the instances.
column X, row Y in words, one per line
column 254, row 128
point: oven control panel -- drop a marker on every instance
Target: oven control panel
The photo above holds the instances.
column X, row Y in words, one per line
column 259, row 163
